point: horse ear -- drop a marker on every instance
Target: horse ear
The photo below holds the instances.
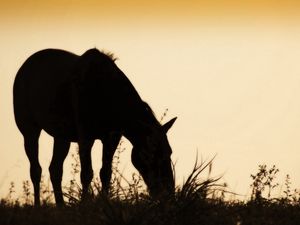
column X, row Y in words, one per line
column 168, row 125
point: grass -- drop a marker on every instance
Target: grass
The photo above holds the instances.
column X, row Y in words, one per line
column 196, row 201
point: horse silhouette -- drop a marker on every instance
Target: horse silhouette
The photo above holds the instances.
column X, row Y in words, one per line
column 80, row 99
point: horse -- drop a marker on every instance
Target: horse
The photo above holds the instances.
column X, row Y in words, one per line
column 82, row 98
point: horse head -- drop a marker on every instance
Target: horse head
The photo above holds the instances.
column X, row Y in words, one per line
column 152, row 158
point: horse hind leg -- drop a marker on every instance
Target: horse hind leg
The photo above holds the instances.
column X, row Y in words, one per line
column 31, row 137
column 60, row 152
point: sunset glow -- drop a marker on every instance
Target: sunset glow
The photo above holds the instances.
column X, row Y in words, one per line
column 229, row 70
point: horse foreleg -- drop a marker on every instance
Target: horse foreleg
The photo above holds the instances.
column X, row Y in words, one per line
column 110, row 143
column 86, row 174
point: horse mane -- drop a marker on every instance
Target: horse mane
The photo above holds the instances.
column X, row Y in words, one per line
column 110, row 55
column 148, row 113
column 94, row 52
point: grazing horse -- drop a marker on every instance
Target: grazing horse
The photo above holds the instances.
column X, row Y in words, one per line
column 80, row 99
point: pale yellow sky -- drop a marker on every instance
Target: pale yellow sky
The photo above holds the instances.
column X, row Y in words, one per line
column 233, row 80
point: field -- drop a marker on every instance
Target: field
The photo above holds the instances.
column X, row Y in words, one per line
column 196, row 201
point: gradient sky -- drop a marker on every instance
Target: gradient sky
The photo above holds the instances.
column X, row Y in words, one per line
column 228, row 69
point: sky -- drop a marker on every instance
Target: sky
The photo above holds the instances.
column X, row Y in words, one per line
column 228, row 70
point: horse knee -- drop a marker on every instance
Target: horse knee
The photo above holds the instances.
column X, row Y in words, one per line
column 105, row 175
column 35, row 173
column 55, row 173
column 86, row 176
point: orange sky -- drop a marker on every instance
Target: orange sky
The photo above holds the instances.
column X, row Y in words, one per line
column 235, row 89
column 150, row 10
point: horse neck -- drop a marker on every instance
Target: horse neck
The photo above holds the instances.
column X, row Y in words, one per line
column 140, row 127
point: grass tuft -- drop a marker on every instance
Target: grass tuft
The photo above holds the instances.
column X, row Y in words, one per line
column 199, row 200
